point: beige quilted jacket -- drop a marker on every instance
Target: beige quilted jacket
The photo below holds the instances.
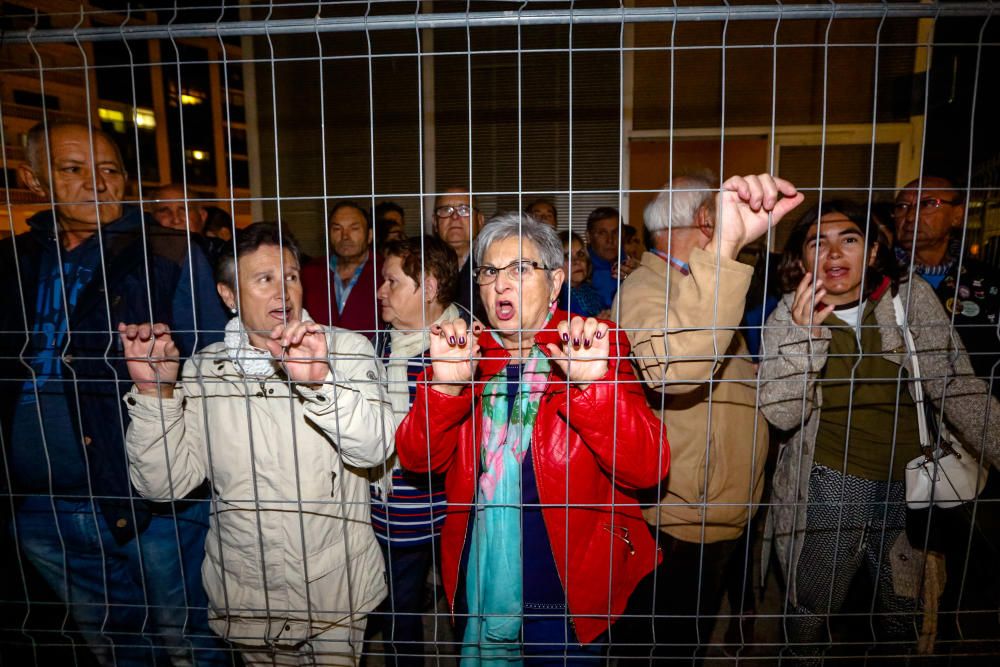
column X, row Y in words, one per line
column 290, row 548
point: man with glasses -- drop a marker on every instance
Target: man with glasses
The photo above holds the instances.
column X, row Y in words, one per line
column 457, row 221
column 929, row 214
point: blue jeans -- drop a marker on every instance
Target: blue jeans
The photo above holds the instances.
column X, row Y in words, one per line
column 132, row 601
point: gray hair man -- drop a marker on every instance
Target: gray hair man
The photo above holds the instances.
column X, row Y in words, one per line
column 457, row 221
column 680, row 308
column 88, row 262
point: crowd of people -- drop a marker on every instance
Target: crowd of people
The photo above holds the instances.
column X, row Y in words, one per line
column 217, row 447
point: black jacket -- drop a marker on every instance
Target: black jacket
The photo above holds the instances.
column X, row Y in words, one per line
column 972, row 295
column 121, row 293
column 468, row 292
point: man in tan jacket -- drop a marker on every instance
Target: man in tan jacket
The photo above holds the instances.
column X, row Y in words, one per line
column 680, row 310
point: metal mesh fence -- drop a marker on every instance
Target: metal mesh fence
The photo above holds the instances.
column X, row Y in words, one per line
column 288, row 377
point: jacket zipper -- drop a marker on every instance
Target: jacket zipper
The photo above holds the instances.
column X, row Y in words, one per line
column 623, row 537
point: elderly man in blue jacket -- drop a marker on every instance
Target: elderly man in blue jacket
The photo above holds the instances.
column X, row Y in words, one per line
column 128, row 570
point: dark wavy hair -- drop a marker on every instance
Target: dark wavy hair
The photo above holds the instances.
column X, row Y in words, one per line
column 790, row 271
column 248, row 240
column 438, row 259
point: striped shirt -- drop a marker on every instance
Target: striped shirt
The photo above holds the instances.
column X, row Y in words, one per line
column 415, row 509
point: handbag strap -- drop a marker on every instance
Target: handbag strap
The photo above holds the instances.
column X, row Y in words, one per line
column 918, row 389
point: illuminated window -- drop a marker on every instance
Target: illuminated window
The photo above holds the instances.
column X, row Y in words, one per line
column 145, row 118
column 192, row 98
column 199, row 155
column 112, row 117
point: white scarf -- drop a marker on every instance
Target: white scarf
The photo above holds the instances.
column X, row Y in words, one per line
column 403, row 346
column 252, row 362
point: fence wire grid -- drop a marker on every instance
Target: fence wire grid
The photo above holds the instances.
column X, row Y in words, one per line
column 407, row 333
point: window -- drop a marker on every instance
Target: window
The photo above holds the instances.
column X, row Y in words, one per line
column 31, row 99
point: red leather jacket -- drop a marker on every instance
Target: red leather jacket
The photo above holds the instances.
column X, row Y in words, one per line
column 604, row 440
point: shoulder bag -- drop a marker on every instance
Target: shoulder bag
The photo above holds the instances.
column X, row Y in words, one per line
column 945, row 474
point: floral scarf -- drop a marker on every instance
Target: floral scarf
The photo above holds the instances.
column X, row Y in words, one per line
column 495, row 569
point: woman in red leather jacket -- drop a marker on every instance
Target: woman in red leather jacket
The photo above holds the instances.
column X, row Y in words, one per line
column 543, row 434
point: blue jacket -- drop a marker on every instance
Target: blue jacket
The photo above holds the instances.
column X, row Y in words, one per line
column 602, row 280
column 133, row 249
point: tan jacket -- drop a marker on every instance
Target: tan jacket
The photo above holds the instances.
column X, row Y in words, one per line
column 290, row 547
column 700, row 382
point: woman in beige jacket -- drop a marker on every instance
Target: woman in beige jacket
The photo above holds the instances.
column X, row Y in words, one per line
column 283, row 417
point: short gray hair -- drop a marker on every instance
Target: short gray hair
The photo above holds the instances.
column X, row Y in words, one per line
column 521, row 225
column 37, row 144
column 678, row 204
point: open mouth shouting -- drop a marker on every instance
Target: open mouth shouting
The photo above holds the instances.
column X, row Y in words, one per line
column 505, row 310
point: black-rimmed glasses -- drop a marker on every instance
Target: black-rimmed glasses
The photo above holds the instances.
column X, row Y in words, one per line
column 447, row 211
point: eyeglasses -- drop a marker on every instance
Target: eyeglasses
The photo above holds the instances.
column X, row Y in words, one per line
column 930, row 203
column 447, row 211
column 520, row 270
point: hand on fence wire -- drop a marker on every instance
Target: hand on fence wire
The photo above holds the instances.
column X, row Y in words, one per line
column 808, row 309
column 747, row 206
column 583, row 355
column 301, row 349
column 152, row 357
column 623, row 269
column 454, row 350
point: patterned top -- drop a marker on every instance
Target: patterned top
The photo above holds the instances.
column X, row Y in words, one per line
column 583, row 300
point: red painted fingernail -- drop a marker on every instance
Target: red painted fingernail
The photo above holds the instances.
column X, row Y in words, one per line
column 599, row 334
column 451, row 340
column 576, row 341
column 565, row 338
column 461, row 340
